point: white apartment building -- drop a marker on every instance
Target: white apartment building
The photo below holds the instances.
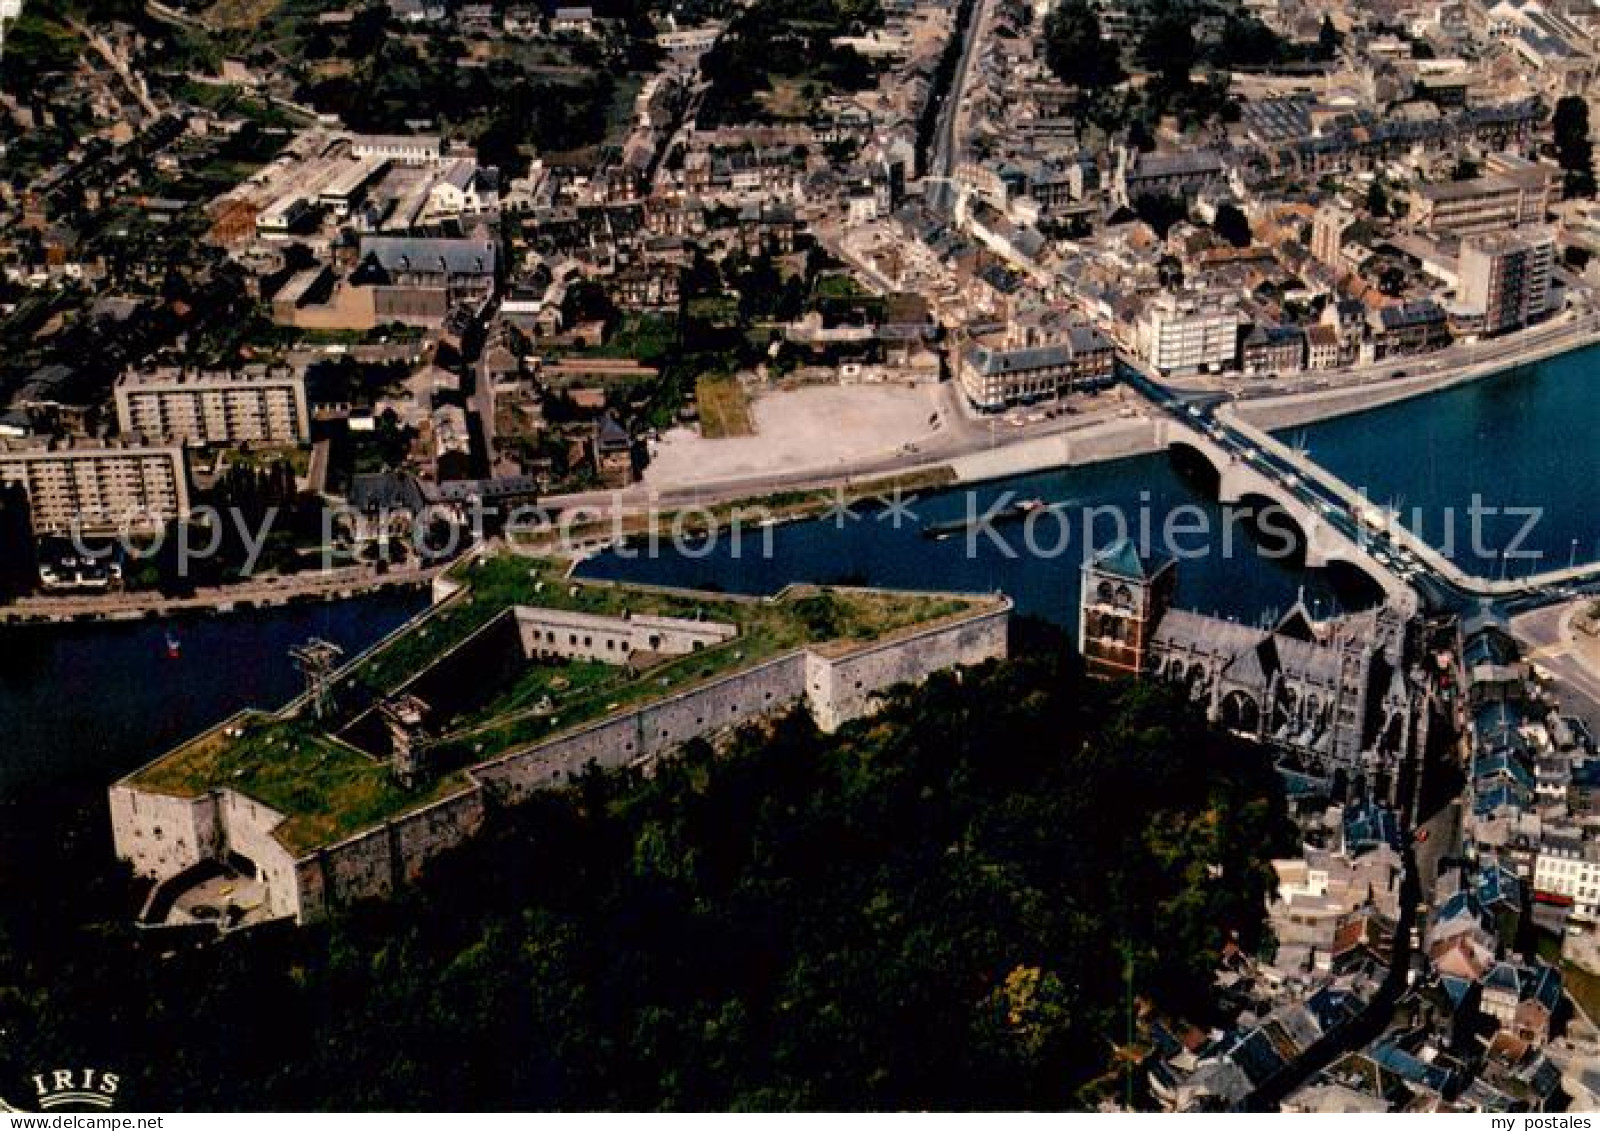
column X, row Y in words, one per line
column 258, row 403
column 1506, row 278
column 1189, row 334
column 98, row 489
column 404, row 149
column 1570, row 867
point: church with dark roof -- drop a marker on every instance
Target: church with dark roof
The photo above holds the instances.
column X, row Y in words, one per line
column 1333, row 691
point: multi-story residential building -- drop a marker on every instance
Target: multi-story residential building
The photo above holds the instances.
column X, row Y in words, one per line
column 1568, row 867
column 1328, row 228
column 257, row 403
column 1188, row 334
column 1506, row 278
column 98, row 489
column 1274, row 349
column 1409, row 327
column 1481, row 205
column 1322, row 347
column 995, row 379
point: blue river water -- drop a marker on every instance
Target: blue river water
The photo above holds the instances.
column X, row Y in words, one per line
column 94, row 701
column 1522, row 445
column 1035, row 562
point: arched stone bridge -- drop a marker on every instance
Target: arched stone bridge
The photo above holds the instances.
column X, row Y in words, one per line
column 1239, row 479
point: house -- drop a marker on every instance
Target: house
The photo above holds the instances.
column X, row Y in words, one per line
column 1401, row 328
column 573, row 21
column 1322, row 347
column 1523, row 998
column 1274, row 349
column 463, row 189
column 613, row 452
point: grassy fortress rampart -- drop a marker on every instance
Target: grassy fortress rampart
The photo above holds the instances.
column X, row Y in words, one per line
column 517, row 681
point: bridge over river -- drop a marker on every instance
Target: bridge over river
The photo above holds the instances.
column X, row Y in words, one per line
column 1338, row 523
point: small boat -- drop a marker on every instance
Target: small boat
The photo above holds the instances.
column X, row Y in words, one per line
column 1015, row 512
column 174, row 647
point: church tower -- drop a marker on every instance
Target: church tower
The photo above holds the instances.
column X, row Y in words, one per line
column 1124, row 597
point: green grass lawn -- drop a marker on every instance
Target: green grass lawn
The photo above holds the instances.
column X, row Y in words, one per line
column 326, row 789
column 724, row 408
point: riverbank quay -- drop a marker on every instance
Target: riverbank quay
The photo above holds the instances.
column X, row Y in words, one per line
column 266, row 593
column 1362, row 390
column 993, row 448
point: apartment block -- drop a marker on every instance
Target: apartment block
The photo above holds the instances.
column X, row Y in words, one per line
column 98, row 489
column 995, row 379
column 1483, row 205
column 1568, row 868
column 1189, row 334
column 1506, row 278
column 1328, row 228
column 258, row 403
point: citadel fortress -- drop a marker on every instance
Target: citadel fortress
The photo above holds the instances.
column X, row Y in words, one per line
column 518, row 679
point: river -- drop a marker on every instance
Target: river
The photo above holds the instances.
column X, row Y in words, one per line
column 80, row 705
column 1522, row 442
column 1036, row 563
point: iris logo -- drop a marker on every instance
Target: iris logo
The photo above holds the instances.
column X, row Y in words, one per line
column 71, row 1089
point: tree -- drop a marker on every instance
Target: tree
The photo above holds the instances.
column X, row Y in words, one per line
column 1160, row 210
column 1327, row 39
column 890, row 916
column 1075, row 49
column 1168, row 48
column 1574, row 150
column 1232, row 226
column 1247, row 41
column 1378, row 200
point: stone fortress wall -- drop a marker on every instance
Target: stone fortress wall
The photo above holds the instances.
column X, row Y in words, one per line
column 164, row 836
column 161, row 835
column 375, row 863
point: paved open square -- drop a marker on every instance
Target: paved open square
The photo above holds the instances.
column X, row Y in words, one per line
column 811, row 428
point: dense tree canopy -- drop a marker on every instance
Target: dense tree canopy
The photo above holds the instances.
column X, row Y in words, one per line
column 1169, row 48
column 1076, row 50
column 934, row 908
column 1246, row 41
column 1574, row 150
column 1232, row 225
